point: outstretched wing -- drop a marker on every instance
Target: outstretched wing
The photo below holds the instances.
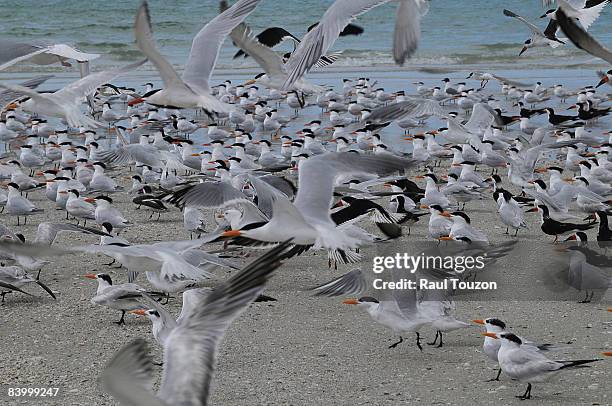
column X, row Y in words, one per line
column 190, row 351
column 128, row 377
column 532, row 27
column 318, row 41
column 581, row 38
column 207, row 43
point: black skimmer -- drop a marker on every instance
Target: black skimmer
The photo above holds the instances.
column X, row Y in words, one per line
column 554, row 227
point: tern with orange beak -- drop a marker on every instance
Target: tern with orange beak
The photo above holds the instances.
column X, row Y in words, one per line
column 399, row 313
column 124, row 297
column 529, row 366
column 308, row 220
column 192, row 90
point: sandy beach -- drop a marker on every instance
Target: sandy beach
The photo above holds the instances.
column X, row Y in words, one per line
column 300, row 349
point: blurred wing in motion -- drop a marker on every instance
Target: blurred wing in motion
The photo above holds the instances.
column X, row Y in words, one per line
column 408, row 28
column 128, row 377
column 318, row 41
column 190, row 351
column 349, row 284
column 581, row 38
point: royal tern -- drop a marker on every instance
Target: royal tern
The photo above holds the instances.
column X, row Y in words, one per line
column 307, row 220
column 65, row 103
column 123, row 297
column 528, row 366
column 192, row 89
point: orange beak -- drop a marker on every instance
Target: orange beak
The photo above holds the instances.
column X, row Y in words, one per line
column 446, row 214
column 90, row 276
column 195, row 154
column 424, row 206
column 491, row 335
column 610, row 309
column 532, row 210
column 231, row 233
column 607, row 353
column 447, row 238
column 408, row 138
column 11, row 106
column 479, row 321
column 419, row 177
column 136, row 101
column 351, row 301
column 541, row 170
column 139, row 312
column 572, row 107
column 89, row 200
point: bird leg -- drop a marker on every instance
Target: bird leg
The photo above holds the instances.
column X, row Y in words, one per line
column 401, row 340
column 587, row 299
column 110, row 263
column 434, row 342
column 527, row 394
column 121, row 320
column 435, row 339
column 497, row 377
column 3, row 294
column 419, row 341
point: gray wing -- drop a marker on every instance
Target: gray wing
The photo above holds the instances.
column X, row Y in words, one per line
column 408, row 108
column 317, row 176
column 510, row 81
column 407, row 28
column 207, row 43
column 47, row 232
column 85, row 86
column 265, row 57
column 8, row 95
column 317, row 42
column 265, row 194
column 481, row 119
column 190, row 352
column 351, row 283
column 207, row 194
column 581, row 38
column 10, row 50
column 128, row 377
column 280, row 183
column 146, row 154
column 145, row 42
column 192, row 300
column 532, row 27
column 198, row 257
